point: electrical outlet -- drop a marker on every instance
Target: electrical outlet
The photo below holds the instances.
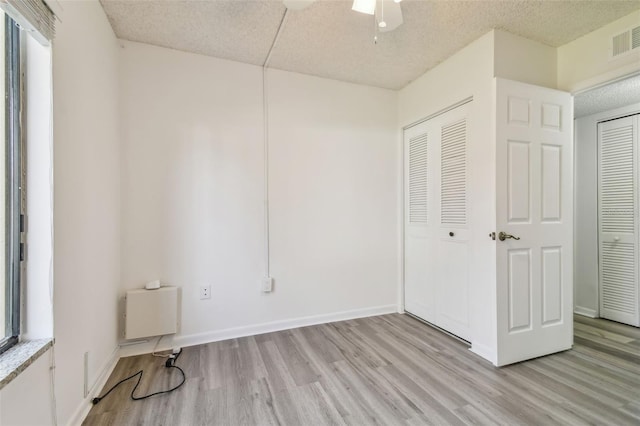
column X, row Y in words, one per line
column 267, row 284
column 205, row 292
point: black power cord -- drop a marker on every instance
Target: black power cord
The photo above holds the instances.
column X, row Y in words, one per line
column 170, row 363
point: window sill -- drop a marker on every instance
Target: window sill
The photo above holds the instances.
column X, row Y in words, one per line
column 18, row 358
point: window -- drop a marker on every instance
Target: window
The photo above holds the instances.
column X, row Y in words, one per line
column 10, row 193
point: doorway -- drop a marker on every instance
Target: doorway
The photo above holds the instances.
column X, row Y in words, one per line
column 606, row 238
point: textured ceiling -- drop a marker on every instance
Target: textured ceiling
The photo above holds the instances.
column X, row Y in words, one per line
column 330, row 40
column 621, row 93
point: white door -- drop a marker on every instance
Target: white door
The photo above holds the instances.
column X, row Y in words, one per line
column 420, row 248
column 534, row 204
column 618, row 219
column 453, row 220
column 436, row 222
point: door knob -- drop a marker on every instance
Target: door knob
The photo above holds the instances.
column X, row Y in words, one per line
column 616, row 238
column 451, row 234
column 503, row 236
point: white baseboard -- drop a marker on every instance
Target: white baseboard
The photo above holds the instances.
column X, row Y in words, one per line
column 484, row 352
column 252, row 330
column 587, row 312
column 85, row 406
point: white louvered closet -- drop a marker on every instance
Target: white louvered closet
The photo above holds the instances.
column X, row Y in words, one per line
column 436, row 226
column 618, row 220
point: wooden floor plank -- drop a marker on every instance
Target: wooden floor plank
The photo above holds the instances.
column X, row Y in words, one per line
column 384, row 370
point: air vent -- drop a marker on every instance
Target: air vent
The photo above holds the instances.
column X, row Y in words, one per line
column 635, row 38
column 625, row 42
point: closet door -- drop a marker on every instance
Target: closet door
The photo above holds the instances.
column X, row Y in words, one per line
column 618, row 219
column 436, row 222
column 420, row 249
column 453, row 233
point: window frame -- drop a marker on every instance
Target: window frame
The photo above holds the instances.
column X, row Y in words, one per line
column 13, row 184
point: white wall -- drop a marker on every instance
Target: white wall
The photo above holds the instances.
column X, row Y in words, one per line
column 192, row 140
column 520, row 59
column 468, row 73
column 86, row 221
column 585, row 62
column 86, row 199
column 586, row 207
column 333, row 194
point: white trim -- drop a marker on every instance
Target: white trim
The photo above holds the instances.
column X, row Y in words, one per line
column 586, row 312
column 255, row 329
column 600, row 80
column 437, row 113
column 85, row 405
column 485, row 352
column 400, row 220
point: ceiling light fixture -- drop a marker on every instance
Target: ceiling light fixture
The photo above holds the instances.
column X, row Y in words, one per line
column 382, row 24
column 364, row 6
column 388, row 16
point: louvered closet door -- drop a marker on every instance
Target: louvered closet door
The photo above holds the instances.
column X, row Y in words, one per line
column 436, row 224
column 420, row 245
column 453, row 244
column 618, row 219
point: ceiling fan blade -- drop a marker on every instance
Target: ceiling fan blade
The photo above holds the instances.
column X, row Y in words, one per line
column 297, row 4
column 392, row 15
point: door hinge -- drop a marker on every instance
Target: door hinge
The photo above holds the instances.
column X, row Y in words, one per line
column 21, row 252
column 22, row 224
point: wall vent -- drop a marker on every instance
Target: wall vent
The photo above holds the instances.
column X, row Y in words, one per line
column 635, row 38
column 625, row 42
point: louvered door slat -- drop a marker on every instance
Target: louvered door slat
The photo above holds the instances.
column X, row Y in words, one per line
column 418, row 179
column 453, row 163
column 619, row 290
column 616, row 180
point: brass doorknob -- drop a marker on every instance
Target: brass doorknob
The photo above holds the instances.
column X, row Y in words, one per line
column 503, row 236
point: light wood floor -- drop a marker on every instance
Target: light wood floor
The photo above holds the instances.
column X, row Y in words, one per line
column 383, row 370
